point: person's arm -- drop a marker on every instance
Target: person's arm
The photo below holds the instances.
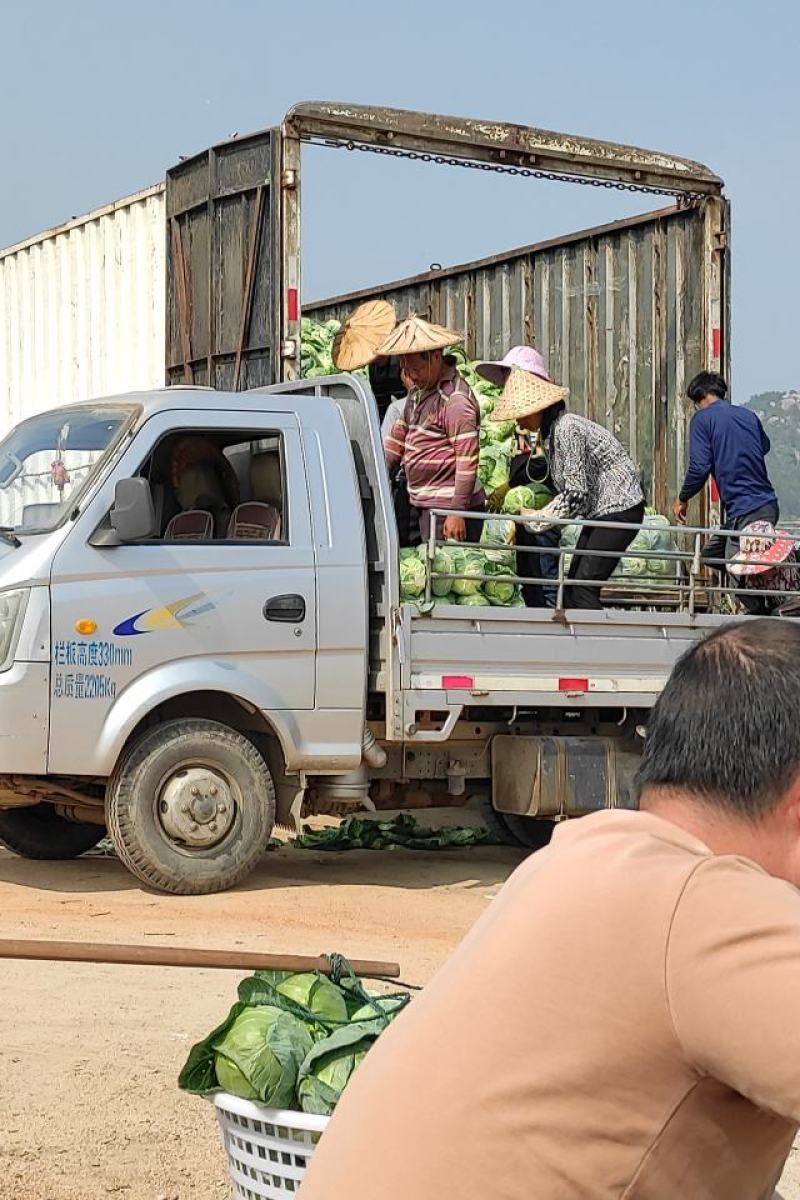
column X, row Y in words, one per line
column 766, row 444
column 732, row 978
column 461, row 423
column 571, row 453
column 394, row 443
column 393, row 413
column 701, row 460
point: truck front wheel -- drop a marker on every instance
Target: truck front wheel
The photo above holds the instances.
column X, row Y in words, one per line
column 191, row 807
column 39, row 832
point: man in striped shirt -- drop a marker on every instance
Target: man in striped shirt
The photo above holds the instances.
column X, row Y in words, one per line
column 436, row 441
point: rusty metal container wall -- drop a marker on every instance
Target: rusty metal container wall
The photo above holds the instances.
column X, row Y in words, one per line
column 619, row 313
column 223, row 265
column 82, row 309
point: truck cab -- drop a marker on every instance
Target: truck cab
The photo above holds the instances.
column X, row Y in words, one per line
column 184, row 624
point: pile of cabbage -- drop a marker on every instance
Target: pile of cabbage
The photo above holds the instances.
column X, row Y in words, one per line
column 497, row 439
column 485, row 577
column 316, row 347
column 292, row 1041
column 653, row 542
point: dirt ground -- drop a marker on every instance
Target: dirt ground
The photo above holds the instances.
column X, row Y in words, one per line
column 89, row 1106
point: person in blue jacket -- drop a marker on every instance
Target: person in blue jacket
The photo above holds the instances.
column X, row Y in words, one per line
column 728, row 442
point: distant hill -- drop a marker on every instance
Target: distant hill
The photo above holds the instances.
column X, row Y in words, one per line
column 780, row 416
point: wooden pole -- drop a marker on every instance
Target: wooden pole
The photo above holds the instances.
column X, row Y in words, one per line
column 181, row 956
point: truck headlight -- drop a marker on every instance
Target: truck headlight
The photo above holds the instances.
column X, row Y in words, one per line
column 12, row 609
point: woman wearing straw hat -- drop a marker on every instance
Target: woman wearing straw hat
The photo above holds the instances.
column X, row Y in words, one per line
column 594, row 476
column 436, row 440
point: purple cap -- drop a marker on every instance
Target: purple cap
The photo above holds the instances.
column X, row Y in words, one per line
column 522, row 358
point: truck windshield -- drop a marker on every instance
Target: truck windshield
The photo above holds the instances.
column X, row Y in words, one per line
column 47, row 461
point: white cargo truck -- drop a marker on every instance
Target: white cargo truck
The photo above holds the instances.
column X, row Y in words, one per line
column 184, row 669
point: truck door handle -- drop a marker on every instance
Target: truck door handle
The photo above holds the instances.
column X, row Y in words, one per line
column 291, row 609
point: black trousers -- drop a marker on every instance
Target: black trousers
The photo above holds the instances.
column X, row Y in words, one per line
column 540, row 566
column 586, row 566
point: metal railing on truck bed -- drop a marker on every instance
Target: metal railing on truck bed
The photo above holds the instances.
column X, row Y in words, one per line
column 697, row 582
column 458, row 663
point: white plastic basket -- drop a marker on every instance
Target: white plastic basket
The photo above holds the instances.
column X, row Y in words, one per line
column 268, row 1148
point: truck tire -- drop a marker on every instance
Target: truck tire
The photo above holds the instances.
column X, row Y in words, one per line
column 39, row 832
column 531, row 832
column 191, row 807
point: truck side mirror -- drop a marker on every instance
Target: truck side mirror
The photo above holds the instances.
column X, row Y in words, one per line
column 133, row 516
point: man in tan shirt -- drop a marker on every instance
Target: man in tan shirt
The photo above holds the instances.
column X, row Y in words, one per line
column 624, row 1022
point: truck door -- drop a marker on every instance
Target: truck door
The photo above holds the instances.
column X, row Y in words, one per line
column 232, row 306
column 225, row 601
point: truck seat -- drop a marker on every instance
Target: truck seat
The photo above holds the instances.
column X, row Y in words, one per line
column 266, row 482
column 196, row 525
column 255, row 521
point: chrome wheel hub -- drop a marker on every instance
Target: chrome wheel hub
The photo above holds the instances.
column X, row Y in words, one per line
column 196, row 807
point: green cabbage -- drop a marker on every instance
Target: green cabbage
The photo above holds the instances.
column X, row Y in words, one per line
column 259, row 1055
column 317, row 994
column 500, row 590
column 534, row 495
column 471, row 564
column 501, row 431
column 499, row 561
column 498, row 532
column 329, row 1066
column 493, row 468
column 664, row 567
column 474, row 600
column 634, row 567
column 444, row 563
column 390, row 1006
column 412, row 575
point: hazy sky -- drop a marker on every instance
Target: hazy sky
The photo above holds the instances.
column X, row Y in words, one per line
column 99, row 99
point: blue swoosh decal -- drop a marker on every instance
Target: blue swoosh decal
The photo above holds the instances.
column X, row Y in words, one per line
column 127, row 628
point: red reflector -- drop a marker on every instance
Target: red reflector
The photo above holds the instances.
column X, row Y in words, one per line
column 292, row 307
column 456, row 682
column 716, row 342
column 573, row 685
column 714, row 492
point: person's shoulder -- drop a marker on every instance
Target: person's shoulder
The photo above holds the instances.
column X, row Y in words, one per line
column 459, row 395
column 730, row 883
column 570, row 424
column 459, row 387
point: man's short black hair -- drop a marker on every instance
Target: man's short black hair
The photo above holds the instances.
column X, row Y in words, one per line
column 726, row 728
column 707, row 383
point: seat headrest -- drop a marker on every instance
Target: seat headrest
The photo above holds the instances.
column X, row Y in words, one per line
column 192, row 526
column 255, row 522
column 266, row 483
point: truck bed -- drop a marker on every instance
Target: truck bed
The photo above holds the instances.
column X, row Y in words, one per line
column 538, row 658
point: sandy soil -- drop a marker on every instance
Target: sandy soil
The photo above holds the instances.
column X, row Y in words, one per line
column 89, row 1106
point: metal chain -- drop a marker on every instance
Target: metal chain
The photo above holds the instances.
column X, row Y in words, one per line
column 684, row 198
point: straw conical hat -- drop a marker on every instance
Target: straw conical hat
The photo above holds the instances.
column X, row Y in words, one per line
column 526, row 394
column 415, row 336
column 357, row 342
